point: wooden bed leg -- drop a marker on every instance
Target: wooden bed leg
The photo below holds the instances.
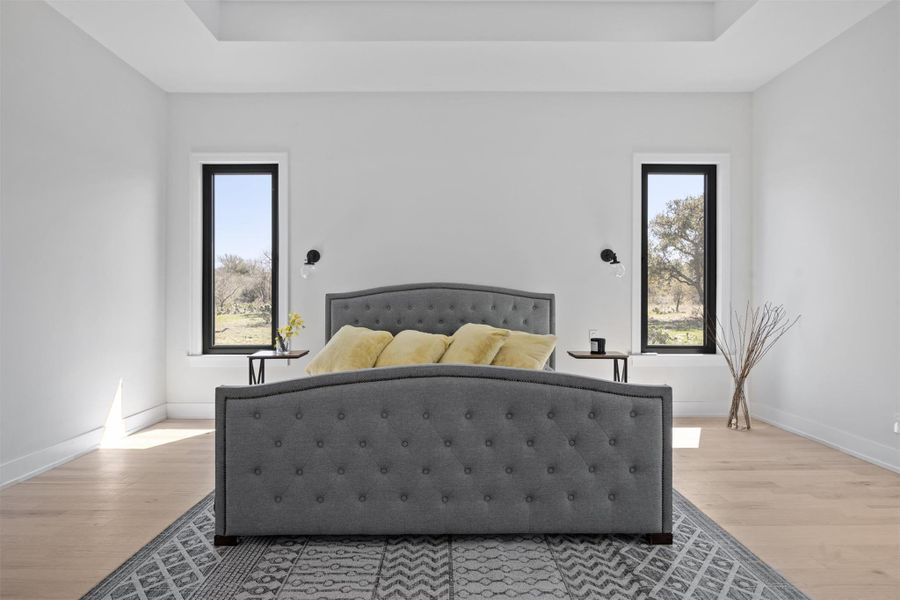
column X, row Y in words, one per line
column 659, row 539
column 225, row 540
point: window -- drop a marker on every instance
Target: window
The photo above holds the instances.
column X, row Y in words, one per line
column 240, row 257
column 678, row 258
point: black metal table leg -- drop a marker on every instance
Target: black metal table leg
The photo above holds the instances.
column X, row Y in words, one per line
column 624, row 370
column 261, row 378
column 615, row 369
column 253, row 380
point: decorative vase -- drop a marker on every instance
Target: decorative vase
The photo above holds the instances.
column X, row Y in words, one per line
column 739, row 408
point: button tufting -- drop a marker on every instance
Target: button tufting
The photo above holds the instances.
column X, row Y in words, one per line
column 529, row 443
column 612, row 496
column 341, row 471
column 444, row 499
column 384, row 470
column 508, row 470
column 403, row 498
column 368, row 307
column 451, row 307
column 468, row 470
column 378, row 321
column 257, row 470
column 488, row 443
column 320, row 443
column 356, row 321
column 404, row 443
column 571, row 497
column 493, row 307
column 299, row 415
column 440, row 321
column 509, row 415
column 571, row 442
column 346, row 307
column 278, row 443
column 320, row 499
column 409, row 307
column 399, row 321
column 591, row 415
column 341, row 416
column 534, row 307
column 299, row 471
column 612, row 442
column 549, row 415
column 591, row 469
column 425, row 415
column 528, row 499
column 362, row 498
column 277, row 498
column 632, row 469
column 447, row 443
column 384, row 414
column 426, row 471
column 634, row 413
column 362, row 443
column 524, row 321
column 550, row 470
column 487, row 498
column 468, row 415
column 256, row 415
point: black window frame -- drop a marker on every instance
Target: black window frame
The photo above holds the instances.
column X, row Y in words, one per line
column 208, row 295
column 710, row 256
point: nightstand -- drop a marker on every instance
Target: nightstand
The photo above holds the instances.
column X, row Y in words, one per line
column 613, row 356
column 263, row 355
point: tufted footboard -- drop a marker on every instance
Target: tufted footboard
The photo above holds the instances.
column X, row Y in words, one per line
column 443, row 449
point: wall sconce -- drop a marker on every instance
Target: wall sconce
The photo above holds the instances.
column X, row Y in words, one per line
column 309, row 267
column 610, row 257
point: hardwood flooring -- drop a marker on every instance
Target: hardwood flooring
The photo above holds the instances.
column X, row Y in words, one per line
column 829, row 522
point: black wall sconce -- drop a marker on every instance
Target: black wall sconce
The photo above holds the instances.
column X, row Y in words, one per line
column 610, row 257
column 309, row 267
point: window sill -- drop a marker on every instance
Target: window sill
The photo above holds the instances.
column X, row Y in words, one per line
column 650, row 361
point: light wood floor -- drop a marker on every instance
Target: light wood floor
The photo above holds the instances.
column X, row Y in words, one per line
column 828, row 522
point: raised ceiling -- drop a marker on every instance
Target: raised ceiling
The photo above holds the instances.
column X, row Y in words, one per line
column 463, row 45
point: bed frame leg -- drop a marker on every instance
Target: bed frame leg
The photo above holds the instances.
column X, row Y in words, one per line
column 225, row 540
column 659, row 539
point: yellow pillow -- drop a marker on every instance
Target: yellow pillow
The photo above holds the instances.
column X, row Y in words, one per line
column 525, row 350
column 411, row 347
column 475, row 344
column 349, row 349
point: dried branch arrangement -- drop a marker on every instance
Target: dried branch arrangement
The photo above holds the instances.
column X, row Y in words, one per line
column 743, row 343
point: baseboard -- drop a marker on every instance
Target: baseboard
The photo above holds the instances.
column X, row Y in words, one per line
column 191, row 410
column 697, row 409
column 26, row 467
column 878, row 454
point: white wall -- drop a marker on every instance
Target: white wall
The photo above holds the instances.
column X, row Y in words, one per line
column 826, row 225
column 82, row 254
column 516, row 190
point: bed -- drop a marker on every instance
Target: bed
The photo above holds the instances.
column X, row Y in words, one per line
column 443, row 449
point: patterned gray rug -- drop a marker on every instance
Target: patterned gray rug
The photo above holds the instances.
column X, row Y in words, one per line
column 704, row 563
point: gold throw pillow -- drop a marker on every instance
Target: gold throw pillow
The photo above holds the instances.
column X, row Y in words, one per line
column 525, row 350
column 412, row 347
column 349, row 349
column 475, row 344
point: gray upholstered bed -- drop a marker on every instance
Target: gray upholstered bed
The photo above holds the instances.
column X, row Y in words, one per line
column 443, row 449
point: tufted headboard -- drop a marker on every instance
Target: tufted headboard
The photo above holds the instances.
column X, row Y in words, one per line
column 440, row 308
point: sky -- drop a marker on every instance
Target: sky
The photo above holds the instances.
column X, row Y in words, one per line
column 662, row 187
column 243, row 215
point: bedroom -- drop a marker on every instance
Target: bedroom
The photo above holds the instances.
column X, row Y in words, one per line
column 413, row 152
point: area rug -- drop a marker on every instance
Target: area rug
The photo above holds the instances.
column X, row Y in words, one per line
column 704, row 563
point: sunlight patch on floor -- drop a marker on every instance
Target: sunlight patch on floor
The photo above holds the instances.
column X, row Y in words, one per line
column 686, row 437
column 151, row 438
